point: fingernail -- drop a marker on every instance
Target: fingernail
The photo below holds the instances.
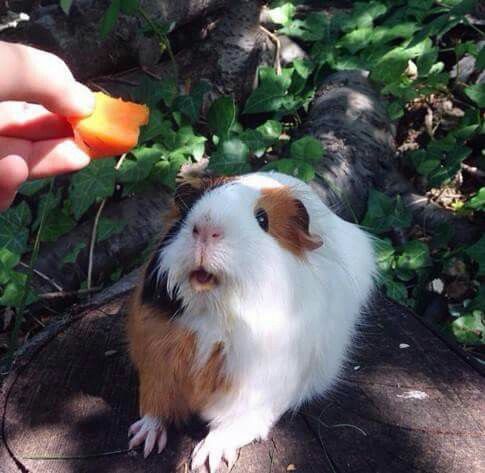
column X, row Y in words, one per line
column 77, row 157
column 85, row 99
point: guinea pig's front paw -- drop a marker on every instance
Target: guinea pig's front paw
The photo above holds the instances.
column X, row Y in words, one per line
column 212, row 450
column 150, row 430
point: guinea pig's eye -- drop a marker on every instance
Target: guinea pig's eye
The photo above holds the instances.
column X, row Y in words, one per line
column 262, row 218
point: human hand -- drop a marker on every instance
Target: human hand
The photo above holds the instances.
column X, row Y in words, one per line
column 37, row 90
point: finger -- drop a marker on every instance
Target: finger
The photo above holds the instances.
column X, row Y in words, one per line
column 51, row 157
column 45, row 79
column 46, row 158
column 31, row 122
column 13, row 172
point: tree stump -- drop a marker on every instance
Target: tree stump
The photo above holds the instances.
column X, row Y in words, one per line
column 407, row 403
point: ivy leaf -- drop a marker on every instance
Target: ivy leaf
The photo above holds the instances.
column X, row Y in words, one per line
column 480, row 64
column 384, row 213
column 109, row 18
column 292, row 167
column 476, row 93
column 271, row 131
column 385, row 254
column 108, row 227
column 14, row 231
column 307, row 149
column 282, row 15
column 72, row 255
column 271, row 93
column 56, row 226
column 478, row 302
column 396, row 290
column 231, row 157
column 314, row 27
column 153, row 128
column 255, row 141
column 221, row 116
column 139, row 168
column 414, row 256
column 65, row 5
column 469, row 329
column 477, row 253
column 97, row 181
column 29, row 188
column 477, row 202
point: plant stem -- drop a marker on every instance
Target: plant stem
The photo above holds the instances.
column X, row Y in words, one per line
column 19, row 311
column 162, row 37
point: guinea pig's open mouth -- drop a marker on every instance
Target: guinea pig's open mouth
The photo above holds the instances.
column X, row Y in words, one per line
column 201, row 280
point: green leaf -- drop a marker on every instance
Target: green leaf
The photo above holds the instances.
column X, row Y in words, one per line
column 427, row 166
column 292, row 167
column 139, row 168
column 480, row 64
column 255, row 141
column 221, row 116
column 396, row 290
column 307, row 149
column 57, row 224
column 65, row 5
column 385, row 254
column 477, row 253
column 168, row 91
column 108, row 227
column 477, row 202
column 13, row 292
column 469, row 329
column 109, row 18
column 414, row 256
column 271, row 131
column 271, row 93
column 231, row 157
column 384, row 213
column 29, row 188
column 153, row 128
column 188, row 106
column 129, row 7
column 476, row 93
column 14, row 228
column 72, row 255
column 94, row 182
column 314, row 27
column 47, row 203
column 166, row 171
column 282, row 15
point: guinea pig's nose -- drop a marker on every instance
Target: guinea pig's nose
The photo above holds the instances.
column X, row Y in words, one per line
column 207, row 232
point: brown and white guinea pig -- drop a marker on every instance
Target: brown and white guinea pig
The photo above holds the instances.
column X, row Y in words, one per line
column 247, row 309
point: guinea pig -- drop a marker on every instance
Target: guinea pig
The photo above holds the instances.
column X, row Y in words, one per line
column 246, row 310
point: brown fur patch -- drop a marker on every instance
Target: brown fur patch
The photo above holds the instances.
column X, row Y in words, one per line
column 163, row 351
column 288, row 220
column 190, row 189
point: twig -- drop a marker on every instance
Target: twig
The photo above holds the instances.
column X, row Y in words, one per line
column 473, row 171
column 65, row 294
column 276, row 41
column 93, row 242
column 43, row 276
column 74, row 457
column 150, row 73
column 95, row 229
column 97, row 86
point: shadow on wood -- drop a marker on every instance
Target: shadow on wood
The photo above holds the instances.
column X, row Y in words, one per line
column 72, row 395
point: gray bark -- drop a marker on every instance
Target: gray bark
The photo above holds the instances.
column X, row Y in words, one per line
column 77, row 40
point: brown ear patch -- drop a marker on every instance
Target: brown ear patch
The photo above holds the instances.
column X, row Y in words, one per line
column 190, row 189
column 288, row 221
column 171, row 385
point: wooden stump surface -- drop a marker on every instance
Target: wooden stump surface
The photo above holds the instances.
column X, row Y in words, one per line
column 407, row 403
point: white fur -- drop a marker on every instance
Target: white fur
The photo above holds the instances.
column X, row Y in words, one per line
column 286, row 322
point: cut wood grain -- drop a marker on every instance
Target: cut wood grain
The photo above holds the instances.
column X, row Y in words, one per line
column 72, row 396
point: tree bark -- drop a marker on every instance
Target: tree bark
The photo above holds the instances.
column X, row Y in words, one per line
column 76, row 37
column 350, row 120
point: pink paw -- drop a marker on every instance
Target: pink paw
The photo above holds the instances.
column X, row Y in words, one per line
column 150, row 430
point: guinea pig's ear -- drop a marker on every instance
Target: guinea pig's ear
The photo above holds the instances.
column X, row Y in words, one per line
column 187, row 192
column 302, row 223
